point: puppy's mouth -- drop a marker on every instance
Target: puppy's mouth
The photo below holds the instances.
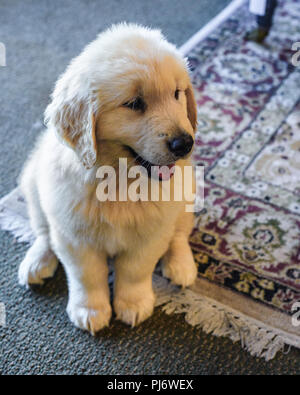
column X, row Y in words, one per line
column 161, row 172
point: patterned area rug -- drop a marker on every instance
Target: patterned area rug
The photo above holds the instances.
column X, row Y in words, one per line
column 247, row 238
column 246, row 241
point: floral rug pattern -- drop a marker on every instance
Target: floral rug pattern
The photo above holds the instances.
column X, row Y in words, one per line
column 247, row 237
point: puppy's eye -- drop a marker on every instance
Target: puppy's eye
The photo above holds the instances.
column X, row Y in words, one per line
column 176, row 94
column 137, row 104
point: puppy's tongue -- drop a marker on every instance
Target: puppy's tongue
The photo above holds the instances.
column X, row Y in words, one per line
column 166, row 172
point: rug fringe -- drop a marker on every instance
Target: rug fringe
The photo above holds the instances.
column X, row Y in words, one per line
column 17, row 225
column 14, row 218
column 217, row 319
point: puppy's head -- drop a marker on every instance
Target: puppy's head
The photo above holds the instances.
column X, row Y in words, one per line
column 129, row 89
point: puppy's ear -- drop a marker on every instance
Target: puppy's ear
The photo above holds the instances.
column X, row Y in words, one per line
column 72, row 114
column 191, row 106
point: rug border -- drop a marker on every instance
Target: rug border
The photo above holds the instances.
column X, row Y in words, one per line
column 246, row 306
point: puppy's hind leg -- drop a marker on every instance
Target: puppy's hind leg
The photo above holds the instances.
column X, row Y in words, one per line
column 40, row 262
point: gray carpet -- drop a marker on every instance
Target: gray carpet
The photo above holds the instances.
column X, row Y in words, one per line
column 41, row 37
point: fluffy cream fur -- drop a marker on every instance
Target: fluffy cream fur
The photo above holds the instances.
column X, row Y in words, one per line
column 89, row 126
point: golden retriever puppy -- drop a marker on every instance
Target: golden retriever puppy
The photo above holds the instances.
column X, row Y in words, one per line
column 127, row 95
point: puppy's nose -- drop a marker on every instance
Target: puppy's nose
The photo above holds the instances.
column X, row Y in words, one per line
column 181, row 145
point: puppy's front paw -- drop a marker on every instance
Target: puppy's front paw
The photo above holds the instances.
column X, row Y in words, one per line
column 133, row 310
column 179, row 266
column 89, row 319
column 39, row 263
